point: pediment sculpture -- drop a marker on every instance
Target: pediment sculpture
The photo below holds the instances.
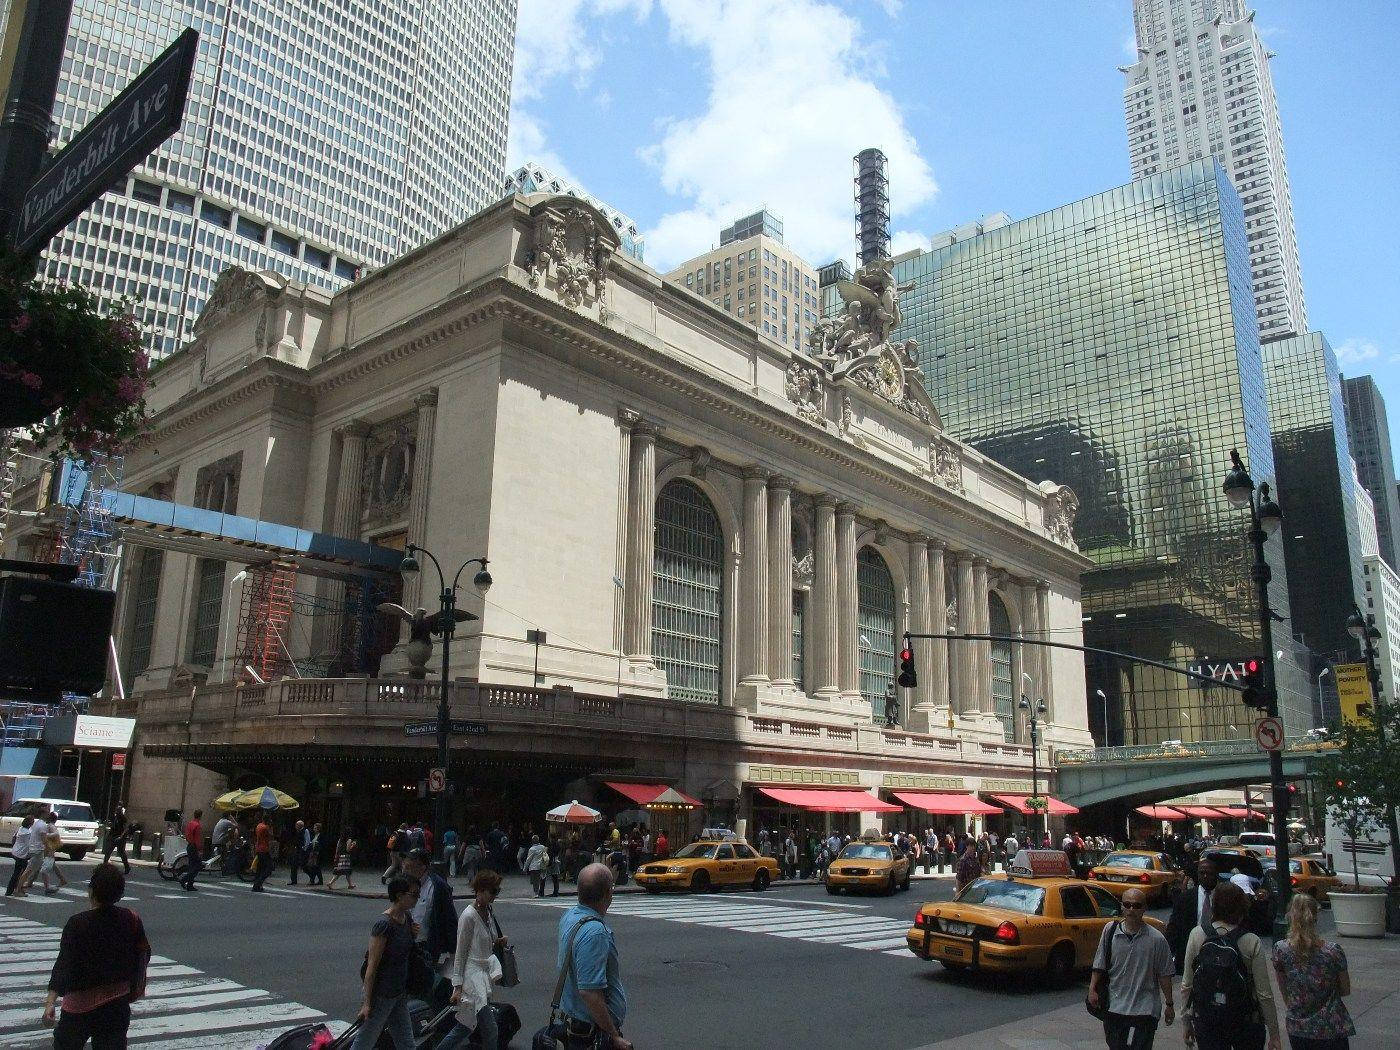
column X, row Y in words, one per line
column 805, row 388
column 572, row 243
column 235, row 290
column 945, row 463
column 1061, row 506
column 857, row 345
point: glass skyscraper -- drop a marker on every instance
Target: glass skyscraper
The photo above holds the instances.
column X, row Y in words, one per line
column 1111, row 345
column 318, row 138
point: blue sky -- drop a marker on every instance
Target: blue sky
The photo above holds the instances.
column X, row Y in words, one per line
column 688, row 113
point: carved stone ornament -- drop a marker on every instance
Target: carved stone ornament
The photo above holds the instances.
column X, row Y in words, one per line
column 802, row 571
column 952, row 613
column 857, row 344
column 572, row 244
column 848, row 415
column 387, row 483
column 237, row 290
column 804, row 387
column 945, row 462
column 1061, row 506
column 699, row 462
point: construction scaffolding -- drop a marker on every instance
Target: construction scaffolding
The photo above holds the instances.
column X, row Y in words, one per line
column 88, row 536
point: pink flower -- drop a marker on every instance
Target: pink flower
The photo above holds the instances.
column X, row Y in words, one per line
column 30, row 380
column 20, row 324
column 130, row 389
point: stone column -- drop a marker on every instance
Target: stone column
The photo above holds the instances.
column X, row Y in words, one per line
column 937, row 624
column 825, row 619
column 1033, row 660
column 753, row 569
column 426, row 403
column 780, row 580
column 964, row 699
column 1042, row 596
column 641, row 542
column 847, row 599
column 349, row 501
column 982, row 671
column 918, row 623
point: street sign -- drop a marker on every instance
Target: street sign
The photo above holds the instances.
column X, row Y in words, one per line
column 1353, row 693
column 1268, row 734
column 138, row 120
column 118, row 759
column 458, row 726
column 437, row 781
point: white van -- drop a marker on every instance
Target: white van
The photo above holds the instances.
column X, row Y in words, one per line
column 76, row 825
column 1261, row 842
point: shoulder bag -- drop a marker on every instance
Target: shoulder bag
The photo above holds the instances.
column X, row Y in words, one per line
column 554, row 1034
column 510, row 970
column 1101, row 1011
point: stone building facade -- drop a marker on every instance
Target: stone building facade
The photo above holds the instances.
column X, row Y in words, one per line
column 722, row 539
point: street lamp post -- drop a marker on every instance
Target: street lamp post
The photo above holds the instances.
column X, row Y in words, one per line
column 1360, row 628
column 446, row 623
column 1264, row 519
column 1104, row 698
column 1032, row 714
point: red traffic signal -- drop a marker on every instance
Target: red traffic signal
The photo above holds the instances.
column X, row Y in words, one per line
column 908, row 679
column 1255, row 693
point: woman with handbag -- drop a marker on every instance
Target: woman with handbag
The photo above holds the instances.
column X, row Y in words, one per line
column 475, row 968
column 391, row 947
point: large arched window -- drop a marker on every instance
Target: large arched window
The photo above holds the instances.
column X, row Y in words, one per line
column 687, row 592
column 1003, row 688
column 875, row 616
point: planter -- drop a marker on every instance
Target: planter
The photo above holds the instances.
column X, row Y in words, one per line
column 1358, row 914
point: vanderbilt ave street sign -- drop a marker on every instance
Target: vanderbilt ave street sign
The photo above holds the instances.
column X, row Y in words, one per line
column 459, row 726
column 120, row 137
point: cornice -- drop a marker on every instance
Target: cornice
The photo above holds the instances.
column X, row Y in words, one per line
column 265, row 374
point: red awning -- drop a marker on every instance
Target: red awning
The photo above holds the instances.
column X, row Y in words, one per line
column 1018, row 803
column 645, row 794
column 1238, row 812
column 944, row 803
column 1161, row 812
column 1203, row 812
column 828, row 801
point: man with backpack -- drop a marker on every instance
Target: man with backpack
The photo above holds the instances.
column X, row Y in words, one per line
column 1228, row 1000
column 1133, row 973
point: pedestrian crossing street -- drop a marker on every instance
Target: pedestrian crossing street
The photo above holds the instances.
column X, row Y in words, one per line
column 184, row 1009
column 817, row 923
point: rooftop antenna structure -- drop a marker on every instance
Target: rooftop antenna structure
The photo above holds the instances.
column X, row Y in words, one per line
column 872, row 206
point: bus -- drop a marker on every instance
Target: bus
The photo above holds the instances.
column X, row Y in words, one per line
column 1375, row 863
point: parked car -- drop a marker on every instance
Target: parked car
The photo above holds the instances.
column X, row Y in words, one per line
column 76, row 826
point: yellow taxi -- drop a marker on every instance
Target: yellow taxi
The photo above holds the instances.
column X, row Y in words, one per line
column 709, row 864
column 869, row 864
column 1312, row 876
column 1126, row 869
column 1036, row 917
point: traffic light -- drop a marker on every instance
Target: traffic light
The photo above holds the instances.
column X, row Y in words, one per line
column 907, row 678
column 1255, row 693
column 1290, row 797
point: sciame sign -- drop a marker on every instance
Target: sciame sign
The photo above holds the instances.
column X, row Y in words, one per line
column 138, row 120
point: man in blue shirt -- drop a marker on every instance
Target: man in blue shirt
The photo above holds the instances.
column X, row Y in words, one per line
column 594, row 1000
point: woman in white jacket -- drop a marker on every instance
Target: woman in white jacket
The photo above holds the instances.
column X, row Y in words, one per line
column 475, row 968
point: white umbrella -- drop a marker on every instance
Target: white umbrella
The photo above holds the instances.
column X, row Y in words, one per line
column 573, row 813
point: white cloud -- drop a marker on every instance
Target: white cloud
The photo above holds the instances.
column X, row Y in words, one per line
column 1355, row 351
column 790, row 100
column 902, row 241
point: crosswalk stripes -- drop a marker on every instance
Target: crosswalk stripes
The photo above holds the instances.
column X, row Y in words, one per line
column 814, row 924
column 179, row 1000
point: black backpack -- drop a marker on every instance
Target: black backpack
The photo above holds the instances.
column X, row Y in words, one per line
column 1222, row 992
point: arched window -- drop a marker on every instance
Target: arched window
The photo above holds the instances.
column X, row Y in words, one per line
column 875, row 617
column 1003, row 688
column 687, row 592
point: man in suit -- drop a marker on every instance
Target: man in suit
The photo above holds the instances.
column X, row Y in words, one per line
column 1191, row 908
column 434, row 913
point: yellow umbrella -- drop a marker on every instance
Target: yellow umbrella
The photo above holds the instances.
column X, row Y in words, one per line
column 255, row 798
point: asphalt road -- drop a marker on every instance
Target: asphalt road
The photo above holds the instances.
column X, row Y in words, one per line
column 792, row 966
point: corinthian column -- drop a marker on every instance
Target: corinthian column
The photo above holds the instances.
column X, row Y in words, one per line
column 937, row 624
column 918, row 620
column 1033, row 660
column 426, row 403
column 780, row 580
column 964, row 653
column 826, row 621
column 349, row 497
column 753, row 616
column 641, row 542
column 982, row 672
column 1042, row 600
column 847, row 599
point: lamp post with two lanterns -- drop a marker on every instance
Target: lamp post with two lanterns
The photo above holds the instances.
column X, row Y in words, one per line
column 1264, row 520
column 445, row 623
column 1033, row 713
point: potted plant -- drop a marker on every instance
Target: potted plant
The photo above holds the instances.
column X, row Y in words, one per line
column 70, row 371
column 1360, row 782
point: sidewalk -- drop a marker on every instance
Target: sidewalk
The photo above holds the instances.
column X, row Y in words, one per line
column 1374, row 1004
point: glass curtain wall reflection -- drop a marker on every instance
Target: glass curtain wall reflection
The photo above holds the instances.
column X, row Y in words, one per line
column 1112, row 345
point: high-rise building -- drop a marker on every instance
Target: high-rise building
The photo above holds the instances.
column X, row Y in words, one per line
column 1368, row 434
column 1111, row 345
column 1382, row 603
column 829, row 278
column 1201, row 87
column 532, row 177
column 1322, row 542
column 1365, row 515
column 318, row 139
column 757, row 278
